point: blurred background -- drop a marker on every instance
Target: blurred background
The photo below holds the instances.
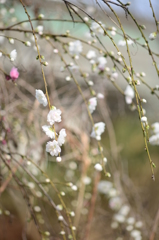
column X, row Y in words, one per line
column 129, row 192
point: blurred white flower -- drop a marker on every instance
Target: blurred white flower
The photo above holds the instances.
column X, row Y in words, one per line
column 131, row 220
column 119, row 218
column 104, row 186
column 100, row 96
column 152, row 36
column 98, row 167
column 124, row 210
column 61, row 137
column 49, row 131
column 138, row 224
column 135, row 233
column 54, row 116
column 97, row 130
column 92, row 103
column 96, row 27
column 101, row 63
column 114, row 75
column 155, row 127
column 11, row 40
column 129, row 94
column 13, row 55
column 91, row 54
column 130, row 42
column 27, row 44
column 87, row 180
column 53, row 148
column 115, row 203
column 122, row 43
column 154, row 139
column 75, row 48
column 40, row 96
column 144, row 119
column 0, row 54
column 39, row 29
column 112, row 193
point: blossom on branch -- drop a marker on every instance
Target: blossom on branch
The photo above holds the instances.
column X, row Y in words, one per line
column 54, row 116
column 49, row 131
column 92, row 103
column 97, row 130
column 40, row 96
column 61, row 137
column 75, row 48
column 53, row 148
column 14, row 74
column 129, row 94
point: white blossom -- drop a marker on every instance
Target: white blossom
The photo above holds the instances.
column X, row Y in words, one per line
column 53, row 148
column 155, row 127
column 54, row 116
column 135, row 233
column 130, row 42
column 101, row 63
column 131, row 220
column 91, row 54
column 40, row 96
column 96, row 27
column 114, row 75
column 104, row 186
column 39, row 29
column 152, row 36
column 92, row 103
column 119, row 218
column 49, row 131
column 75, row 48
column 58, row 159
column 115, row 203
column 98, row 167
column 144, row 119
column 97, row 130
column 27, row 44
column 129, row 94
column 61, row 137
column 122, row 43
column 11, row 40
column 154, row 139
column 13, row 55
column 0, row 54
column 124, row 210
column 100, row 96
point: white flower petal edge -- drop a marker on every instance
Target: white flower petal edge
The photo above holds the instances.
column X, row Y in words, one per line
column 40, row 96
column 49, row 131
column 97, row 130
column 13, row 55
column 98, row 167
column 92, row 103
column 53, row 148
column 129, row 94
column 61, row 137
column 54, row 116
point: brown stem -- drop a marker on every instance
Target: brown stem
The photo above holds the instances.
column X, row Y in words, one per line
column 154, row 227
column 93, row 201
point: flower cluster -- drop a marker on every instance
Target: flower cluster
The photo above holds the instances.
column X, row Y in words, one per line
column 54, row 115
column 154, row 139
column 122, row 210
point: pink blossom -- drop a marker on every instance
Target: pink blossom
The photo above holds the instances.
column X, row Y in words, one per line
column 14, row 74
